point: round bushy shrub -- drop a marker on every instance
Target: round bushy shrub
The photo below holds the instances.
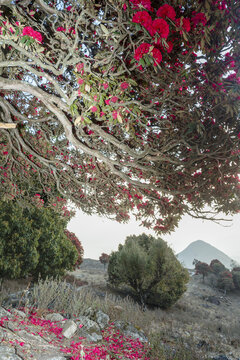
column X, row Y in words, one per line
column 217, row 267
column 33, row 242
column 150, row 268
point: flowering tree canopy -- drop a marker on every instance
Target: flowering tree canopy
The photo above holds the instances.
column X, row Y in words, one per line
column 123, row 106
column 104, row 259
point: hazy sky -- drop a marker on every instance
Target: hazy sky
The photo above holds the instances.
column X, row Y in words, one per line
column 99, row 234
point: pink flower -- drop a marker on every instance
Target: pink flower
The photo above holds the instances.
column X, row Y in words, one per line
column 124, row 85
column 114, row 114
column 141, row 50
column 5, row 152
column 143, row 18
column 105, row 85
column 114, row 99
column 102, row 113
column 238, row 135
column 94, row 108
column 79, row 67
column 166, row 11
column 95, row 98
column 157, row 56
column 183, row 24
column 71, row 30
column 80, row 81
column 107, row 102
column 28, row 30
column 68, row 8
column 161, row 27
column 60, row 28
column 146, row 4
column 124, row 7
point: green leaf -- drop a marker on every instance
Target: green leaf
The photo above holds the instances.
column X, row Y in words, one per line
column 132, row 82
column 142, row 62
column 87, row 120
column 24, row 39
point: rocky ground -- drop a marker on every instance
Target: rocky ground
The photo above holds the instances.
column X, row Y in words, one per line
column 204, row 320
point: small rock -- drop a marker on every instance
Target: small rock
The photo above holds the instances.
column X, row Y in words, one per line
column 54, row 317
column 206, row 306
column 8, row 353
column 69, row 329
column 102, row 319
column 204, row 344
column 213, row 300
column 18, row 313
column 130, row 330
column 88, row 325
column 5, row 313
column 94, row 337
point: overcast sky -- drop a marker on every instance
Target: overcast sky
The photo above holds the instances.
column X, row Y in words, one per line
column 99, row 234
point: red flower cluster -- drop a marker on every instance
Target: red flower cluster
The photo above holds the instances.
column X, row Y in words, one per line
column 143, row 18
column 157, row 56
column 60, row 28
column 141, row 50
column 124, row 85
column 198, row 18
column 145, row 48
column 166, row 11
column 161, row 27
column 146, row 4
column 183, row 24
column 32, row 33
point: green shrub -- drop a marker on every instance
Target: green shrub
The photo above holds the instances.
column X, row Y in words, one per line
column 217, row 267
column 236, row 277
column 33, row 243
column 151, row 270
column 225, row 281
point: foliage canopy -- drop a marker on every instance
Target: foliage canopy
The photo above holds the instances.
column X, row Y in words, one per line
column 122, row 106
column 33, row 242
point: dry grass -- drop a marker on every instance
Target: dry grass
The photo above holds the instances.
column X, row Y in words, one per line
column 187, row 331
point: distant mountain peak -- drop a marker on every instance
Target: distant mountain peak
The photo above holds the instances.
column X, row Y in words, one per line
column 202, row 251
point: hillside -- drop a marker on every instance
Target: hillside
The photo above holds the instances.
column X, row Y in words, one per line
column 202, row 325
column 202, row 251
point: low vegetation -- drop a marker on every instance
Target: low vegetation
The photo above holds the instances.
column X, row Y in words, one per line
column 219, row 276
column 187, row 331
